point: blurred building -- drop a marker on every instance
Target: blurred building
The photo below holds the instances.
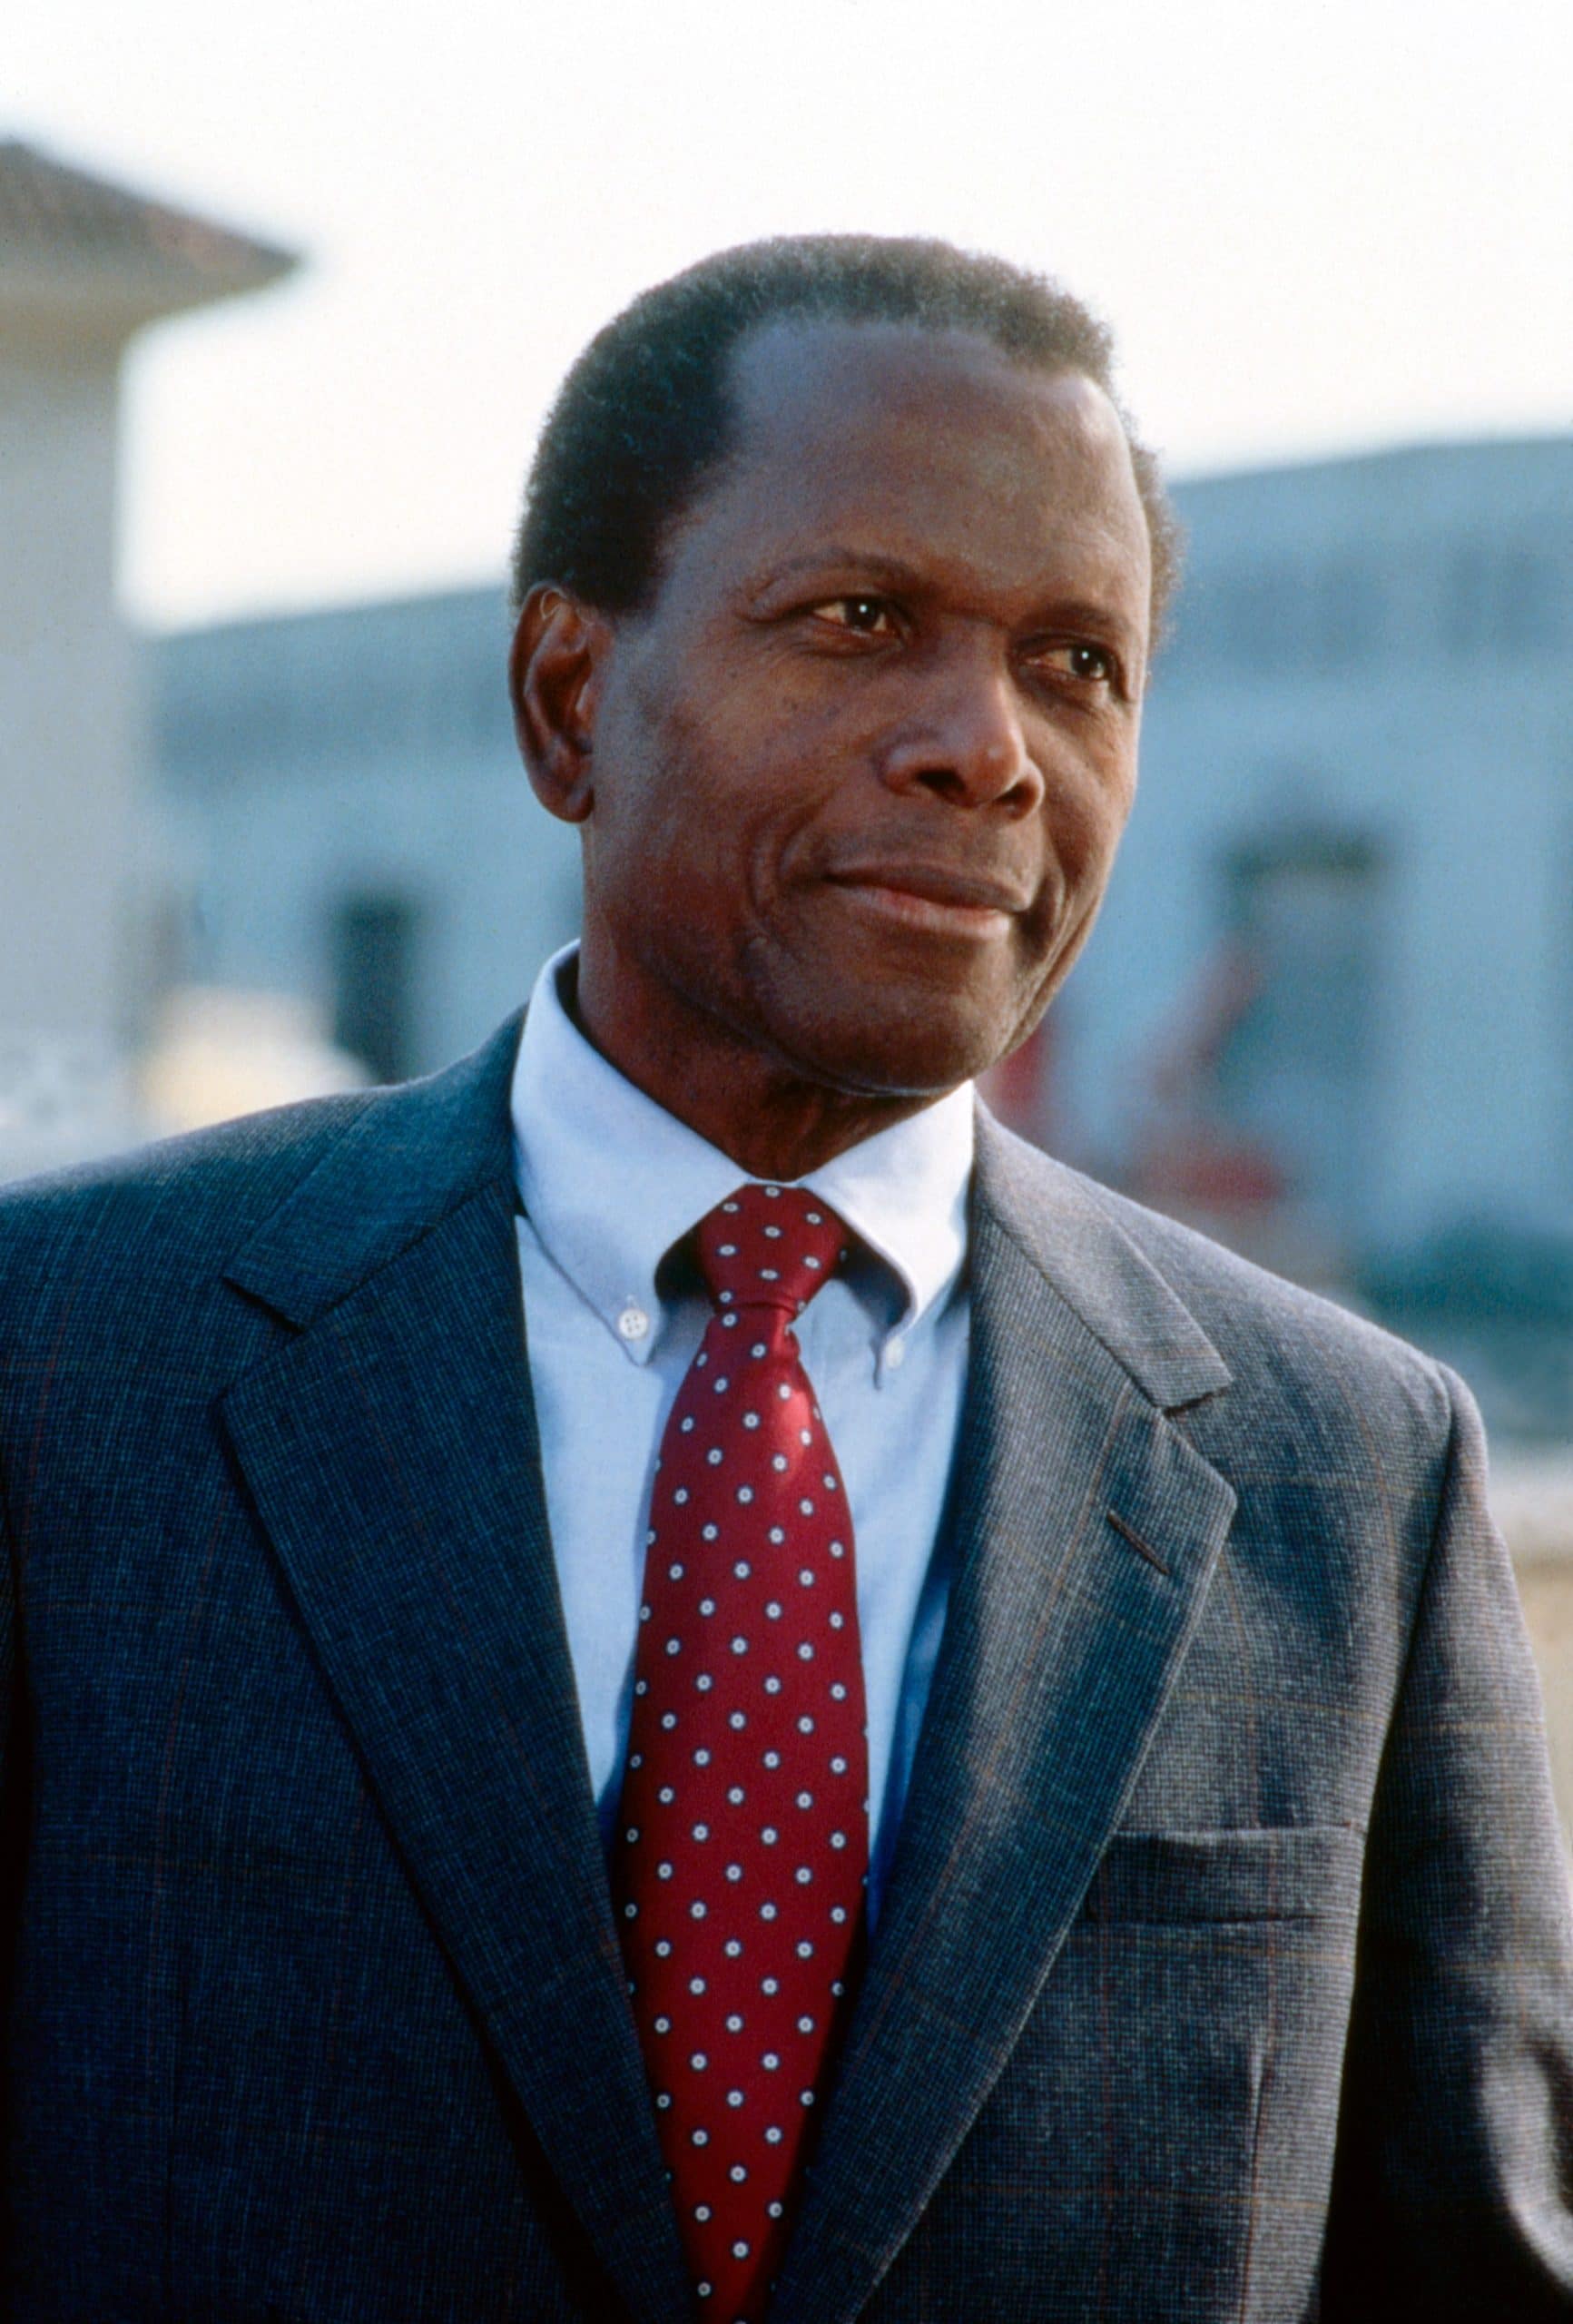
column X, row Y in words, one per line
column 355, row 825
column 1328, row 1012
column 1331, row 1000
column 83, row 266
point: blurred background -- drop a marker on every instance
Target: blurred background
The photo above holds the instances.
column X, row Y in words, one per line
column 284, row 296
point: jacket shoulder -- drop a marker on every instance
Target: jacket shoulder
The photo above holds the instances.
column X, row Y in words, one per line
column 335, row 1184
column 1302, row 1357
column 1213, row 1277
column 178, row 1207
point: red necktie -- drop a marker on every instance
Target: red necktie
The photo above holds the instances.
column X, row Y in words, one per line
column 742, row 1834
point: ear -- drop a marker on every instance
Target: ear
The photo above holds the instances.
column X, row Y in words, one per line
column 558, row 651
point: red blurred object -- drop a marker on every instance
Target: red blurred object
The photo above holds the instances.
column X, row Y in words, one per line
column 1019, row 1089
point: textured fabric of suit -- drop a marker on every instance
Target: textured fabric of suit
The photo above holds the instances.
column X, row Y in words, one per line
column 1225, row 1970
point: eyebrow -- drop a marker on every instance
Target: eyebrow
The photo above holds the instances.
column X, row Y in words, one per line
column 891, row 570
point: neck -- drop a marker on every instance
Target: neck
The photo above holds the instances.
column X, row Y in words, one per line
column 771, row 1119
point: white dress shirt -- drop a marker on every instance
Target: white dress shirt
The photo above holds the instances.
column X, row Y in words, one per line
column 609, row 1183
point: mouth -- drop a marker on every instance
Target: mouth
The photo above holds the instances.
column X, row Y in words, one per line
column 932, row 897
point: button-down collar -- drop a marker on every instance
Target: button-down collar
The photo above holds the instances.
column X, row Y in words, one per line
column 610, row 1181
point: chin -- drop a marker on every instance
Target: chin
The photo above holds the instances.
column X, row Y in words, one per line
column 920, row 1050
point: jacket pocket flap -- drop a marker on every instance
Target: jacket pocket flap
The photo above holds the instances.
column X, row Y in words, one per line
column 1301, row 1873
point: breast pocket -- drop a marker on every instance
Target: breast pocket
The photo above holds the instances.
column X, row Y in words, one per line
column 1178, row 1879
column 1220, row 1965
column 1177, row 2078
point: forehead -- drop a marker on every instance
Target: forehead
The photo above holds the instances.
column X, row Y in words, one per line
column 933, row 447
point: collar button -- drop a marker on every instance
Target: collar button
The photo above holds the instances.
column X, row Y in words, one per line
column 633, row 1324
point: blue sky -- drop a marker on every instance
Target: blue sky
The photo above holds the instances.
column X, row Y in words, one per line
column 1313, row 226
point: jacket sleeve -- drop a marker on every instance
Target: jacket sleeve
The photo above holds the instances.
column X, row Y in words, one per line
column 10, row 1703
column 12, row 1807
column 1454, row 2190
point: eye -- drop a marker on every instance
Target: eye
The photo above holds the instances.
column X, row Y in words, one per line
column 1077, row 658
column 1090, row 662
column 864, row 616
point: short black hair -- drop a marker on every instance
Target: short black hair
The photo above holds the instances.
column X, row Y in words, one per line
column 647, row 413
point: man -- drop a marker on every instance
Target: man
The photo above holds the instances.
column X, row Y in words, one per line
column 922, row 1743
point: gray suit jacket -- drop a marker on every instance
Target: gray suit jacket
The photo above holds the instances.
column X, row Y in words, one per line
column 1225, row 1968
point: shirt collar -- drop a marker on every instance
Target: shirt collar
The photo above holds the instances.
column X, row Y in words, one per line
column 610, row 1181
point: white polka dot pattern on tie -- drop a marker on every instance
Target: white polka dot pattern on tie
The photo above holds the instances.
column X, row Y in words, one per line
column 743, row 1836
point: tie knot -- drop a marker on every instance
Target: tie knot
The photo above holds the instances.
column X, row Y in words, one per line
column 769, row 1246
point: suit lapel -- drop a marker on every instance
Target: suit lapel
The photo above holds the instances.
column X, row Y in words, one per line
column 392, row 1454
column 1086, row 1529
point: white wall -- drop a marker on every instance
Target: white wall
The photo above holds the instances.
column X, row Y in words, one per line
column 67, row 779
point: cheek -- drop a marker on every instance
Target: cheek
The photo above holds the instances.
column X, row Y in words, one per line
column 1109, row 787
column 690, row 823
column 744, row 786
column 1085, row 820
column 652, row 812
column 1106, row 829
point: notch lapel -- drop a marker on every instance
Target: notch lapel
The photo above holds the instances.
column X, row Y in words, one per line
column 1086, row 1531
column 392, row 1452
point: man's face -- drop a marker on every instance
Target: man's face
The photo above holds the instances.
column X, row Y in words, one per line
column 859, row 772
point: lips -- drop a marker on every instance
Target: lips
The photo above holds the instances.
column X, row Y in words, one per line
column 936, row 903
column 942, row 884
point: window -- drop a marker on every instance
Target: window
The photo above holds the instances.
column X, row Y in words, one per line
column 373, row 944
column 1499, row 600
column 1296, row 1072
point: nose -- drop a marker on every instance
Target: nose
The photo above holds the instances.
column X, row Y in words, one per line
column 963, row 740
